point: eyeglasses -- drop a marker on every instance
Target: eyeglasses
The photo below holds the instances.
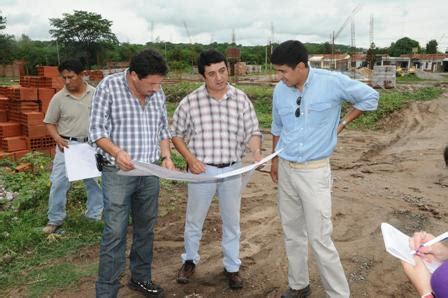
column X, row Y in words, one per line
column 298, row 101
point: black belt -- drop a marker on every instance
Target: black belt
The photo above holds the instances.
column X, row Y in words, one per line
column 81, row 140
column 221, row 165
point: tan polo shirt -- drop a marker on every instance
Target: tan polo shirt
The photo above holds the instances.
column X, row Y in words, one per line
column 70, row 114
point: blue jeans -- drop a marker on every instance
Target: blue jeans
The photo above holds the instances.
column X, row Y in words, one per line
column 124, row 196
column 200, row 196
column 59, row 188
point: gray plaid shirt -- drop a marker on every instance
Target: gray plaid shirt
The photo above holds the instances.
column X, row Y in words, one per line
column 118, row 115
column 216, row 131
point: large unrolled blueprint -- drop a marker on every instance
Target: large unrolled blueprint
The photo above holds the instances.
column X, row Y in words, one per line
column 146, row 169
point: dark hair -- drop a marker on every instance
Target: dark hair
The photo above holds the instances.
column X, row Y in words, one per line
column 209, row 57
column 71, row 65
column 291, row 53
column 148, row 62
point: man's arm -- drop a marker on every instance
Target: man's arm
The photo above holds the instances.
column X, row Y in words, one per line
column 165, row 152
column 252, row 130
column 352, row 115
column 53, row 131
column 122, row 158
column 195, row 166
column 274, row 161
column 255, row 147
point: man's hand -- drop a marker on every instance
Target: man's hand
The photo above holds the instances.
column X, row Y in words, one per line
column 168, row 163
column 274, row 169
column 195, row 166
column 418, row 275
column 256, row 155
column 123, row 161
column 62, row 143
column 341, row 127
column 435, row 252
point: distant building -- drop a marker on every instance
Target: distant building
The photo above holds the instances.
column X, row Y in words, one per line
column 429, row 62
column 329, row 61
column 358, row 60
column 401, row 62
column 15, row 69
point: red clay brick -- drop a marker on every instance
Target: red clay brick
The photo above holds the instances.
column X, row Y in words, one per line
column 4, row 91
column 44, row 103
column 48, row 71
column 14, row 144
column 35, row 131
column 45, row 93
column 6, row 155
column 25, row 81
column 32, row 118
column 28, row 93
column 40, row 143
column 23, row 167
column 57, row 83
column 3, row 115
column 10, row 129
column 19, row 154
column 3, row 102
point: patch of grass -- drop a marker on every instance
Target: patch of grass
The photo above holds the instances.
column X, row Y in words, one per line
column 23, row 246
column 409, row 78
column 51, row 278
column 175, row 92
column 8, row 81
column 390, row 101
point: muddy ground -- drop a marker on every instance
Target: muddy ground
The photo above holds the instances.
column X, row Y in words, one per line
column 395, row 175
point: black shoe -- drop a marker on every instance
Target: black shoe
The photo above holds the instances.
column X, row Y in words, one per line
column 302, row 293
column 235, row 280
column 146, row 287
column 185, row 272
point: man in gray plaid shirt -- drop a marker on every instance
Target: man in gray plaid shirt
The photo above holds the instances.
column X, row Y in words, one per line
column 212, row 126
column 129, row 122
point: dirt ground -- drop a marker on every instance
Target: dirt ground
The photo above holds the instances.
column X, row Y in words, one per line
column 395, row 175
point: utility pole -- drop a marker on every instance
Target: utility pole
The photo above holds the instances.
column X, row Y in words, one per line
column 57, row 51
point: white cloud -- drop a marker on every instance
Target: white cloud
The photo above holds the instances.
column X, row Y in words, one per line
column 309, row 21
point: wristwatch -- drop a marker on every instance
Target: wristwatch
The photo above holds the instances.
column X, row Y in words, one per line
column 344, row 123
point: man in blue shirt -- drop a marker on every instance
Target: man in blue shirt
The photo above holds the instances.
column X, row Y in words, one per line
column 305, row 123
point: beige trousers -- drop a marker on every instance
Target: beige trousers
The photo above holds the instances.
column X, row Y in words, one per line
column 304, row 201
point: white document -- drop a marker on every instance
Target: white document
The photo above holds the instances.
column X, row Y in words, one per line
column 80, row 162
column 397, row 244
column 145, row 169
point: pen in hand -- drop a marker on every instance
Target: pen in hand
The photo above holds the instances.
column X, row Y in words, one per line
column 435, row 240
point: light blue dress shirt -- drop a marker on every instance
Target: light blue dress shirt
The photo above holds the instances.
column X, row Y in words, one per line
column 313, row 135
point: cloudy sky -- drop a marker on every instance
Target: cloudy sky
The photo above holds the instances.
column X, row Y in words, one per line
column 253, row 21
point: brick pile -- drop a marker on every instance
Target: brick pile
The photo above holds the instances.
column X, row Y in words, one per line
column 22, row 110
column 95, row 75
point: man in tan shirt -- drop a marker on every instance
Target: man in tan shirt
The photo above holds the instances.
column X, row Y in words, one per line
column 67, row 121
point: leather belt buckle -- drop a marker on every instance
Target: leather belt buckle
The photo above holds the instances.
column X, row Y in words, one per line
column 81, row 140
column 221, row 165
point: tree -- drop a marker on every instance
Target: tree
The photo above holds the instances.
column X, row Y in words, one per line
column 2, row 22
column 84, row 34
column 7, row 44
column 431, row 47
column 404, row 45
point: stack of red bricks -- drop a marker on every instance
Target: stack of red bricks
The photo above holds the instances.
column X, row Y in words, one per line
column 95, row 75
column 22, row 110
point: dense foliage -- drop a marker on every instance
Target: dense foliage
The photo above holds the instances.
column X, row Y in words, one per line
column 83, row 34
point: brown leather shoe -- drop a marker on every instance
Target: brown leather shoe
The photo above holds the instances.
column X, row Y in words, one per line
column 50, row 228
column 185, row 272
column 235, row 280
column 302, row 293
